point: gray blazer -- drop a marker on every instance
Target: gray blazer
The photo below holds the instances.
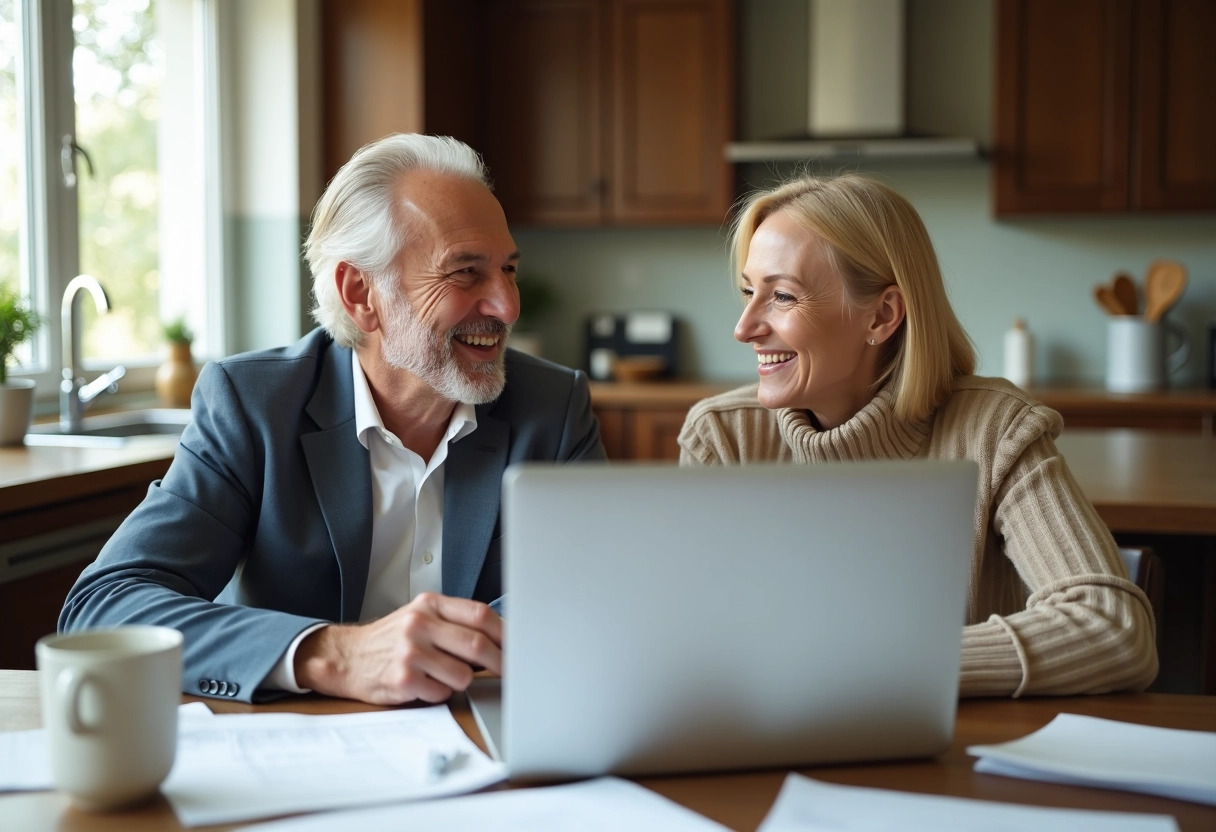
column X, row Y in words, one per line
column 262, row 525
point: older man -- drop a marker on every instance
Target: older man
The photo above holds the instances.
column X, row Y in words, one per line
column 330, row 520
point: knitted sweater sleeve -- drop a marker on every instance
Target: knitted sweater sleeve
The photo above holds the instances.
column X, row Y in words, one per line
column 1085, row 627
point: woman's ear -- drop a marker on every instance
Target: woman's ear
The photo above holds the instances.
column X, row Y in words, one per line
column 888, row 314
column 355, row 290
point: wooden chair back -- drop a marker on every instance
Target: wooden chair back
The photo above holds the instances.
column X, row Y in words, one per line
column 1145, row 569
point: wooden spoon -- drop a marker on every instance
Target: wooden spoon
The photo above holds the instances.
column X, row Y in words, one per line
column 1105, row 296
column 1163, row 285
column 1125, row 291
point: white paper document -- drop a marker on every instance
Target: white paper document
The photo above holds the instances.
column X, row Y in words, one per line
column 1088, row 751
column 607, row 804
column 237, row 767
column 806, row 805
column 25, row 756
column 25, row 761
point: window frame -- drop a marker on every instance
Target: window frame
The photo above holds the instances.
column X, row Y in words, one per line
column 51, row 253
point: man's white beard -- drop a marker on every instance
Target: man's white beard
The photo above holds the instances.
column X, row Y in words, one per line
column 410, row 345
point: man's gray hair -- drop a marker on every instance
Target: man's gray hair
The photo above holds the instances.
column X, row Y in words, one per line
column 356, row 220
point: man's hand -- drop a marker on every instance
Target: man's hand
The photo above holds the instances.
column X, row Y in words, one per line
column 425, row 650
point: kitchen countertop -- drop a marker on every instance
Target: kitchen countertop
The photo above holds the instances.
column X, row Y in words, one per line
column 660, row 393
column 36, row 476
column 32, row 477
column 680, row 391
column 1190, row 399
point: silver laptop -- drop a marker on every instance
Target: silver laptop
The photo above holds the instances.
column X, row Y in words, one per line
column 663, row 619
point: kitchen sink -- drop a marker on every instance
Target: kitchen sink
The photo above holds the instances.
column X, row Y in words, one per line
column 113, row 430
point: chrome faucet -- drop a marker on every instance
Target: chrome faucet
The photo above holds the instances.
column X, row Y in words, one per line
column 74, row 393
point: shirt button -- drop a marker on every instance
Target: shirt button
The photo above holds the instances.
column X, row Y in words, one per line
column 427, row 557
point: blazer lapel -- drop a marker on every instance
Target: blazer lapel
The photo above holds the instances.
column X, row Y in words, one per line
column 341, row 477
column 472, row 489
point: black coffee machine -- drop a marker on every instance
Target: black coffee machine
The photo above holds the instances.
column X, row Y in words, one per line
column 610, row 335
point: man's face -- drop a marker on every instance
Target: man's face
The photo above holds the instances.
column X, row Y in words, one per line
column 447, row 316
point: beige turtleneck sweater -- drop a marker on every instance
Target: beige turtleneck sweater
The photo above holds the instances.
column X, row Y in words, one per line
column 1050, row 609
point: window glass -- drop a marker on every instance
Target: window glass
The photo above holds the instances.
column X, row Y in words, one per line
column 12, row 196
column 118, row 68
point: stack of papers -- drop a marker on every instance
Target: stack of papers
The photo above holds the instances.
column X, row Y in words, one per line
column 806, row 805
column 242, row 767
column 25, row 756
column 607, row 804
column 238, row 767
column 1088, row 751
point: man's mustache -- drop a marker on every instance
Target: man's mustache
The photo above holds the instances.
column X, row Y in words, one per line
column 488, row 326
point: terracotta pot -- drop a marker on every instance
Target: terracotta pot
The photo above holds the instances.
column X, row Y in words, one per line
column 175, row 378
column 16, row 410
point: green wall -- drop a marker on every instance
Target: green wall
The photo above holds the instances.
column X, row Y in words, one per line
column 1042, row 270
column 268, row 288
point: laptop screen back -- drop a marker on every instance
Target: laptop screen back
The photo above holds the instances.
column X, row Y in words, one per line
column 665, row 619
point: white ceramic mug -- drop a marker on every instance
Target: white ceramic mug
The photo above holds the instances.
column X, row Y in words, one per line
column 1136, row 358
column 109, row 706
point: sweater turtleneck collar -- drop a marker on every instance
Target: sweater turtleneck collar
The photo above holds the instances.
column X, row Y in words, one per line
column 874, row 432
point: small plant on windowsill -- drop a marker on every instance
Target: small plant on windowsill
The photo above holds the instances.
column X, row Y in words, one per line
column 175, row 378
column 537, row 299
column 18, row 324
column 178, row 332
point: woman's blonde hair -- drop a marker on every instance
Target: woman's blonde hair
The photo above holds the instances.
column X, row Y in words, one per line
column 875, row 239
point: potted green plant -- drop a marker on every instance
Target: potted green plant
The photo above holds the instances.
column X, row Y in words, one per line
column 18, row 323
column 537, row 298
column 176, row 376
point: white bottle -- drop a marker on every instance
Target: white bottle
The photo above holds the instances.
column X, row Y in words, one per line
column 1019, row 354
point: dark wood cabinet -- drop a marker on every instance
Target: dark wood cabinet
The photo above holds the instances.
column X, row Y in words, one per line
column 612, row 111
column 546, row 135
column 396, row 66
column 1176, row 152
column 641, row 421
column 58, row 506
column 588, row 112
column 672, row 82
column 1105, row 106
column 364, row 44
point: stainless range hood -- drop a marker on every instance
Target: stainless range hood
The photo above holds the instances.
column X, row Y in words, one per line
column 887, row 147
column 829, row 79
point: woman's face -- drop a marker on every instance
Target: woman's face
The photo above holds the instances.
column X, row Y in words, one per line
column 809, row 341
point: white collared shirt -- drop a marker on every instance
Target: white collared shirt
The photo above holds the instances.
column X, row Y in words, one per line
column 407, row 506
column 407, row 518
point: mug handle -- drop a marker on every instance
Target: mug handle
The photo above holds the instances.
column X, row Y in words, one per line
column 1182, row 352
column 70, row 684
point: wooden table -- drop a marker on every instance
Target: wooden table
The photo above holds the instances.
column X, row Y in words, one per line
column 1159, row 488
column 1146, row 481
column 737, row 800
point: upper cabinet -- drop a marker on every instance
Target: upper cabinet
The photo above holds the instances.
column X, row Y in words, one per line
column 396, row 66
column 588, row 112
column 547, row 105
column 611, row 111
column 1105, row 106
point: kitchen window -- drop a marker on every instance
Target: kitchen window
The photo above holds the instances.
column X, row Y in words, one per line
column 108, row 120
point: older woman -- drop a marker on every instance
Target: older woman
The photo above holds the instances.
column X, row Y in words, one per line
column 861, row 357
